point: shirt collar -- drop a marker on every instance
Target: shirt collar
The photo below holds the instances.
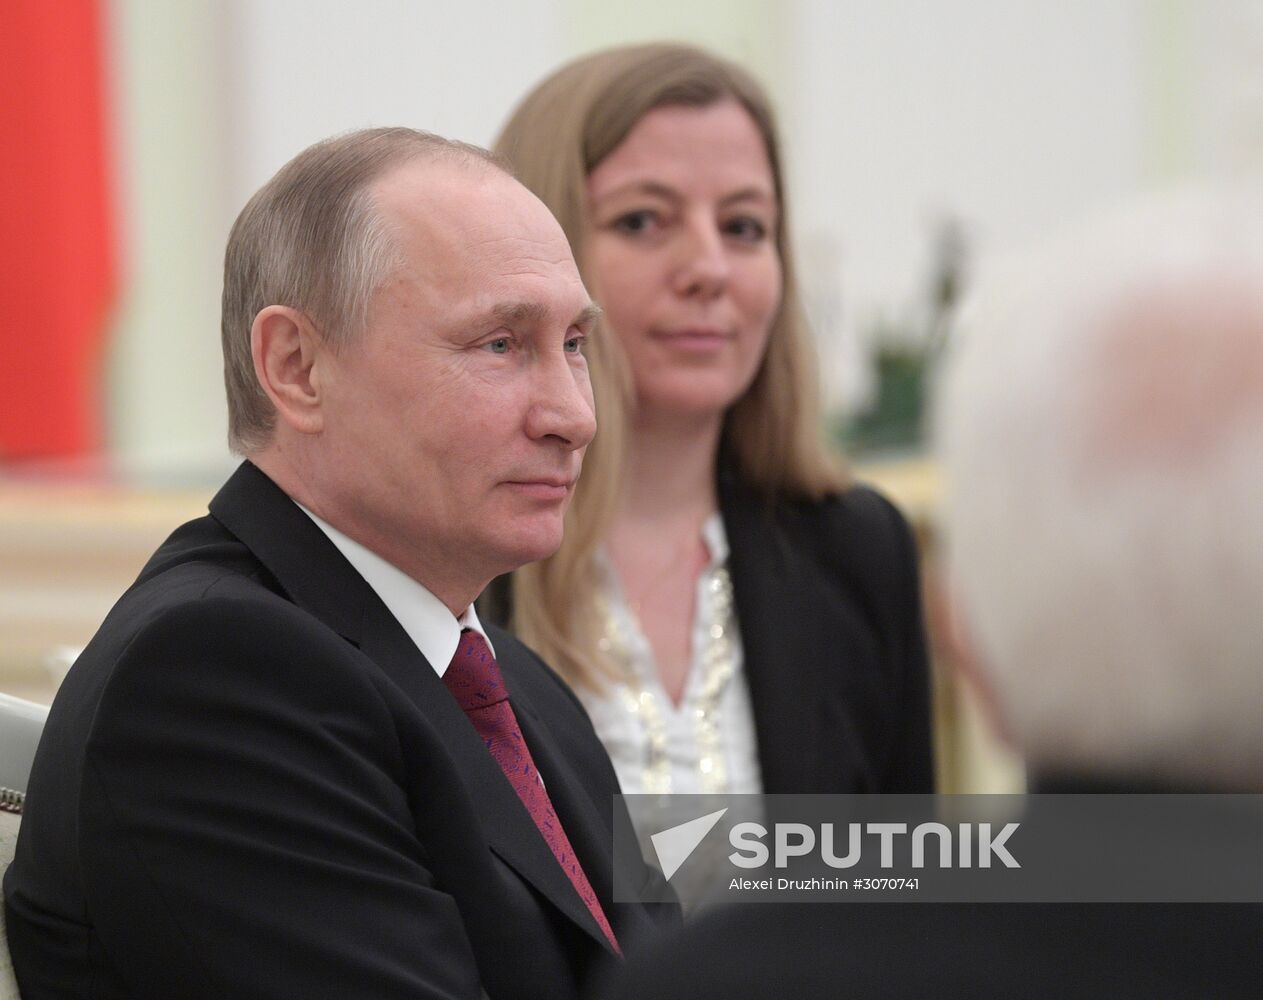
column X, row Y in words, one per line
column 715, row 539
column 426, row 619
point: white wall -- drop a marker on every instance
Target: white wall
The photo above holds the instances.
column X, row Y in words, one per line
column 1006, row 114
column 305, row 69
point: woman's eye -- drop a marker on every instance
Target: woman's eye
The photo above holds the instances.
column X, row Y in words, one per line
column 746, row 228
column 639, row 221
column 498, row 346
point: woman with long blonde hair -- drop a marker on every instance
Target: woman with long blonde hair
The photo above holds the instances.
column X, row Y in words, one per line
column 735, row 616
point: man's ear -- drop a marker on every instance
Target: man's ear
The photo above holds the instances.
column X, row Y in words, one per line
column 287, row 350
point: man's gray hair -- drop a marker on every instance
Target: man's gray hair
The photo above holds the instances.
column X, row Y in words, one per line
column 1100, row 425
column 312, row 239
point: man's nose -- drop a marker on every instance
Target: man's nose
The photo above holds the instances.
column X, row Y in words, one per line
column 703, row 267
column 562, row 406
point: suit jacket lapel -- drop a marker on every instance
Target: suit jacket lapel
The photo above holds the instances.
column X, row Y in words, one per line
column 318, row 578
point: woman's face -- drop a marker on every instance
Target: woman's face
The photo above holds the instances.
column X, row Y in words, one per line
column 682, row 256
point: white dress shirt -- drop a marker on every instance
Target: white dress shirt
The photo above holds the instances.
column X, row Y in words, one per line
column 426, row 619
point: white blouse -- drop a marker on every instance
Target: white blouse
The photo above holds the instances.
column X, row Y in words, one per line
column 706, row 744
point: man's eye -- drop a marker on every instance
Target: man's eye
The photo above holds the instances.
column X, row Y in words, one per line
column 498, row 346
column 574, row 345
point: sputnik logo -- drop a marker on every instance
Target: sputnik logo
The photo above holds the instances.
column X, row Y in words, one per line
column 675, row 844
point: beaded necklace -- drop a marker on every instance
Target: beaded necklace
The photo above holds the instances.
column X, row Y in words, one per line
column 646, row 706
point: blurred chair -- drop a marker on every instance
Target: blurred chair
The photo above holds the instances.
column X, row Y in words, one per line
column 21, row 723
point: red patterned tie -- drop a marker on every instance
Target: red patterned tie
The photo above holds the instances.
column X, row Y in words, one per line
column 475, row 682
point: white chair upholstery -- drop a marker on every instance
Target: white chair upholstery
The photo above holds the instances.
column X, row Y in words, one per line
column 8, row 841
column 21, row 723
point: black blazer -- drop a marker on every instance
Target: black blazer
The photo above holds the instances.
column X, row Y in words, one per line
column 252, row 785
column 828, row 605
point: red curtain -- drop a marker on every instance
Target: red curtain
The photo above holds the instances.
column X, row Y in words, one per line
column 57, row 252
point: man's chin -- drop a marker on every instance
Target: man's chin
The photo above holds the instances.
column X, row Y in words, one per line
column 532, row 546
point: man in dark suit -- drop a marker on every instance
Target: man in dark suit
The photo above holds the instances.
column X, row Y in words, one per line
column 286, row 765
column 1101, row 427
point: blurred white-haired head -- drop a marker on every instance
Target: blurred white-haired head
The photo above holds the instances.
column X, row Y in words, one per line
column 1100, row 425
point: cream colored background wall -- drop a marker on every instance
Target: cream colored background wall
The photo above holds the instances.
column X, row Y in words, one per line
column 1010, row 114
column 166, row 416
